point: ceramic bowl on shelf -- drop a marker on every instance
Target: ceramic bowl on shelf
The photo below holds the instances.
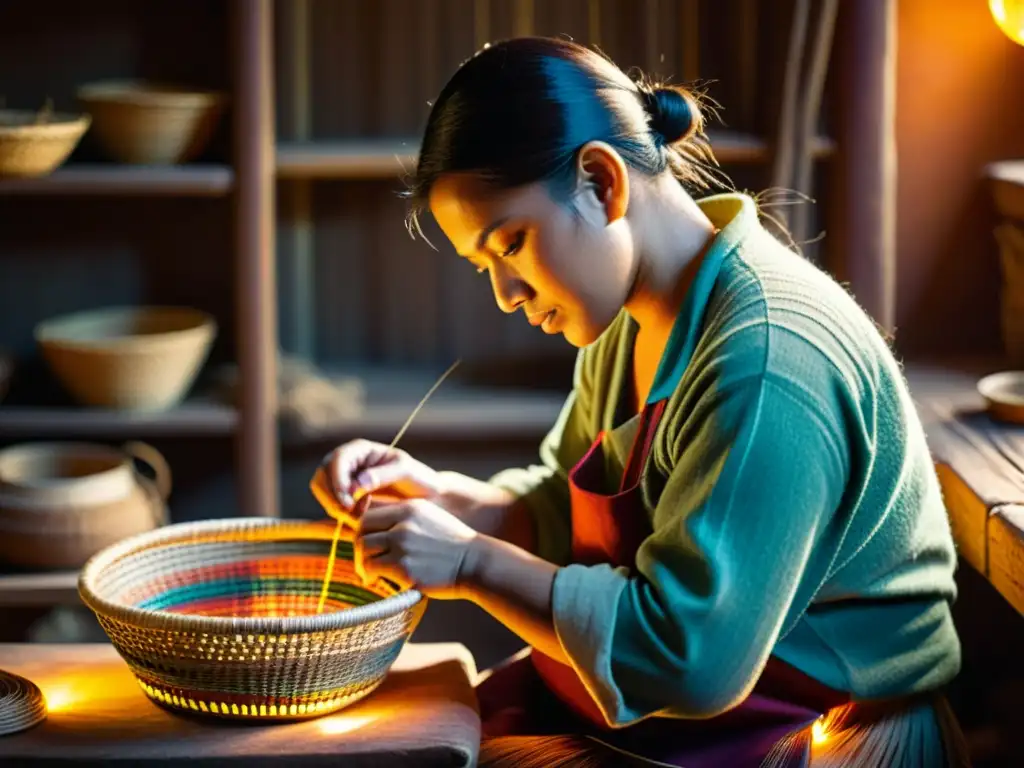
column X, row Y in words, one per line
column 128, row 358
column 219, row 618
column 62, row 502
column 150, row 123
column 36, row 143
column 1004, row 395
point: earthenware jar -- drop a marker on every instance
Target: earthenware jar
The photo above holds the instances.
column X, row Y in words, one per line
column 62, row 502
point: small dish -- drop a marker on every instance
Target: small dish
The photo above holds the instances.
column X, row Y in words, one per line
column 1004, row 395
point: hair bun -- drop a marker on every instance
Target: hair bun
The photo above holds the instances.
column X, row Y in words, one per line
column 673, row 113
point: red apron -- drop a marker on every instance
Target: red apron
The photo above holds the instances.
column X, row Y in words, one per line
column 609, row 529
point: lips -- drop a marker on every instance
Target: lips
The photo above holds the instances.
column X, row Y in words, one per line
column 538, row 318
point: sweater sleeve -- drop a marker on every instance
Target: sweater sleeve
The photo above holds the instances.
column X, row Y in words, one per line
column 757, row 476
column 544, row 487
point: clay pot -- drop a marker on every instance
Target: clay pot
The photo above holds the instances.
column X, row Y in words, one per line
column 62, row 502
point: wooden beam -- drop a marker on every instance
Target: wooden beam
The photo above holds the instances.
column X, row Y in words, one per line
column 481, row 23
column 198, row 180
column 31, row 590
column 255, row 284
column 194, row 417
column 689, row 14
column 1006, row 553
column 868, row 172
column 594, row 23
column 522, row 18
column 299, row 228
column 387, row 158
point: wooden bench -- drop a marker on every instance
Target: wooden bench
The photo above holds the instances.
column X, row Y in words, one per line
column 981, row 468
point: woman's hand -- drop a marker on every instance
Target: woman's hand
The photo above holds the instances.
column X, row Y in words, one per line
column 416, row 543
column 389, row 474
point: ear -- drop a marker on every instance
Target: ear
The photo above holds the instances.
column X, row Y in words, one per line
column 602, row 169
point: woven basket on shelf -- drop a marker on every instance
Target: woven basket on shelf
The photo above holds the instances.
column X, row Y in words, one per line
column 34, row 143
column 151, row 123
column 219, row 618
column 130, row 358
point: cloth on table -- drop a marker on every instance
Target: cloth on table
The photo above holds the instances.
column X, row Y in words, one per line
column 424, row 714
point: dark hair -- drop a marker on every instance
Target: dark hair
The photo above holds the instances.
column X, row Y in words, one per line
column 518, row 111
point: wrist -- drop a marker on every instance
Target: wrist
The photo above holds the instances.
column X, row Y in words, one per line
column 472, row 574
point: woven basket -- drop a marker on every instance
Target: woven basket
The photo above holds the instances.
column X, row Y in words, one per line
column 151, row 123
column 219, row 618
column 30, row 148
column 129, row 358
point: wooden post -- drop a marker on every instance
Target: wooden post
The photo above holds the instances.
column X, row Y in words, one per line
column 868, row 173
column 255, row 270
column 594, row 23
column 301, row 231
column 522, row 18
column 689, row 14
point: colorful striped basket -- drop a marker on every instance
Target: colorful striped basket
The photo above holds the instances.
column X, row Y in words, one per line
column 220, row 618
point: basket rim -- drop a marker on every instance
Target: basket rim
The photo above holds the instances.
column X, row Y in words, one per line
column 148, row 93
column 60, row 125
column 49, row 332
column 147, row 618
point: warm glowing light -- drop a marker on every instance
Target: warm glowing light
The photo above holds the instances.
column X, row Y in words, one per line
column 818, row 734
column 59, row 698
column 334, row 725
column 1009, row 17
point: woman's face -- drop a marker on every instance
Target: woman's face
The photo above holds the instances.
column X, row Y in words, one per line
column 569, row 266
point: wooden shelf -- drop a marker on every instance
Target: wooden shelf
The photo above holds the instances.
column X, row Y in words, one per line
column 385, row 158
column 506, row 418
column 457, row 411
column 195, row 418
column 24, row 590
column 110, row 179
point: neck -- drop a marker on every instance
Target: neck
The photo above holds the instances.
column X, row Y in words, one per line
column 674, row 234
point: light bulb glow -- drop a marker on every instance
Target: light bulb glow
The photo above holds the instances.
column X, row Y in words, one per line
column 1009, row 17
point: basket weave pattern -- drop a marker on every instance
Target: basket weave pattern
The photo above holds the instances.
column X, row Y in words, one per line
column 219, row 617
column 28, row 148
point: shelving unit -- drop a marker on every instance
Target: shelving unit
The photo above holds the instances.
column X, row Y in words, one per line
column 308, row 251
column 386, row 158
column 193, row 418
column 104, row 179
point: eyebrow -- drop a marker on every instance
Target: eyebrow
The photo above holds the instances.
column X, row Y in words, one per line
column 485, row 234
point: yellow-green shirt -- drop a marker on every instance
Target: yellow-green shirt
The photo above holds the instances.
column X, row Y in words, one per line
column 794, row 504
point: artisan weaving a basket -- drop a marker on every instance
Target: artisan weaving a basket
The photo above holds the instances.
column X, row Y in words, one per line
column 733, row 551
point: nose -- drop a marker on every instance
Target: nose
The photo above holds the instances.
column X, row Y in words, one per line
column 510, row 290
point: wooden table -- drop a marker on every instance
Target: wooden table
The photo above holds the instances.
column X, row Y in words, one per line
column 424, row 714
column 981, row 467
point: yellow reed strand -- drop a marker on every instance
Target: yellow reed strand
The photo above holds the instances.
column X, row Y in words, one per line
column 321, row 489
column 330, row 568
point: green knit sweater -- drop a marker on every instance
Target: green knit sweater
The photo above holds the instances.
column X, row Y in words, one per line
column 794, row 505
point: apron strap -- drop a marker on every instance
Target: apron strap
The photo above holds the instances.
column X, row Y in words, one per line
column 650, row 418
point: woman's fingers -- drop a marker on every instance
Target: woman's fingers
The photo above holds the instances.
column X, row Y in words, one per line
column 383, row 518
column 376, row 476
column 385, row 565
column 347, row 461
column 365, row 548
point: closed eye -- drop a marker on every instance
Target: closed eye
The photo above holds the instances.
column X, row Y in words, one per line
column 515, row 246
